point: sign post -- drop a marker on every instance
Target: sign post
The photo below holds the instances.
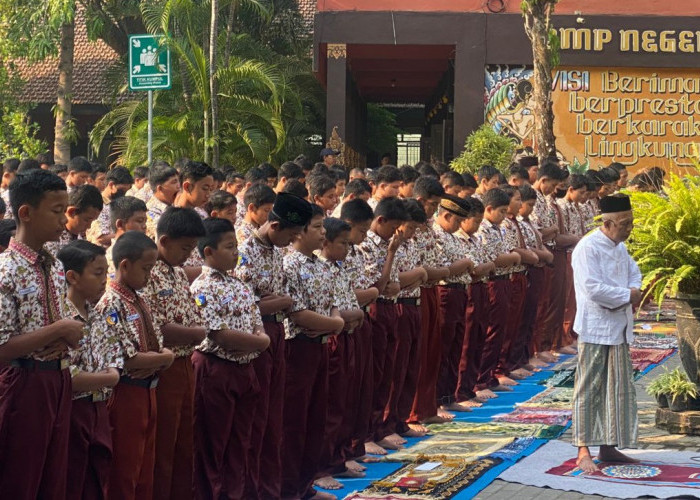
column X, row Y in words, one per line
column 149, row 69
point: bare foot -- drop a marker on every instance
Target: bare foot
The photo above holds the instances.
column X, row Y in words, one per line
column 546, row 357
column 388, row 445
column 456, row 407
column 535, row 362
column 369, row 459
column 471, row 403
column 322, row 495
column 418, row 428
column 373, row 448
column 567, row 350
column 503, row 380
column 351, row 474
column 436, row 420
column 520, row 373
column 586, row 464
column 415, row 433
column 328, row 483
column 395, row 438
column 531, row 368
column 611, row 454
column 478, row 399
column 355, row 466
column 445, row 414
column 486, row 394
column 502, row 388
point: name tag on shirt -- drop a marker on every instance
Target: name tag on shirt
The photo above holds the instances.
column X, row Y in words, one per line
column 226, row 299
column 165, row 293
column 133, row 317
column 27, row 290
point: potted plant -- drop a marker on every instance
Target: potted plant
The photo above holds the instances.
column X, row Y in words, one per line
column 681, row 391
column 666, row 245
column 484, row 146
column 659, row 388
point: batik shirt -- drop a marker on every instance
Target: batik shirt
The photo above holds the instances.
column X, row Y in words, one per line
column 242, row 208
column 493, row 243
column 310, row 285
column 168, row 296
column 32, row 292
column 155, row 209
column 343, row 291
column 111, row 268
column 589, row 211
column 98, row 350
column 513, row 239
column 225, row 303
column 260, row 266
column 473, row 247
column 66, row 237
column 5, row 195
column 532, row 237
column 244, row 230
column 129, row 318
column 195, row 259
column 544, row 215
column 407, row 259
column 100, row 226
column 425, row 243
column 374, row 251
column 451, row 249
column 144, row 194
column 355, row 266
column 573, row 218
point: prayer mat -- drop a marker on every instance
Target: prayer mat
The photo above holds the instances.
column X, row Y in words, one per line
column 666, row 313
column 568, row 364
column 555, row 398
column 498, row 429
column 435, row 480
column 656, row 327
column 369, row 496
column 652, row 341
column 450, row 446
column 564, row 378
column 518, row 449
column 643, row 358
column 536, row 416
column 660, row 474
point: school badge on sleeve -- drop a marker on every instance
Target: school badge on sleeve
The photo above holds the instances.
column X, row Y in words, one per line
column 112, row 318
column 242, row 260
column 200, row 300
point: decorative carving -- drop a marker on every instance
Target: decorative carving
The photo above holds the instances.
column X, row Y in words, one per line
column 348, row 156
column 336, row 51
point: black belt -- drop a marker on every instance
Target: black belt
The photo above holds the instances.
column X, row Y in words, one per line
column 321, row 339
column 273, row 318
column 35, row 364
column 95, row 397
column 382, row 300
column 499, row 277
column 459, row 286
column 408, row 301
column 146, row 383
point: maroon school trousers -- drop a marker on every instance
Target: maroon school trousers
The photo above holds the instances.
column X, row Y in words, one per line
column 225, row 400
column 384, row 333
column 362, row 389
column 132, row 416
column 172, row 478
column 305, row 406
column 498, row 311
column 476, row 326
column 266, row 436
column 89, row 450
column 406, row 364
column 35, row 406
column 539, row 341
column 521, row 356
column 557, row 297
column 425, row 402
column 570, row 308
column 453, row 308
column 512, row 342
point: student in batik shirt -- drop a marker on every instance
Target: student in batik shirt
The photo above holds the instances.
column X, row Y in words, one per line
column 258, row 201
column 341, row 357
column 289, row 171
column 35, row 333
column 84, row 205
column 167, row 294
column 387, row 181
column 260, row 267
column 358, row 214
column 253, row 176
column 496, row 203
column 313, row 317
column 588, row 211
column 452, row 183
column 79, row 170
column 409, row 176
column 133, row 407
column 197, row 181
column 140, row 188
column 488, row 179
column 165, row 184
column 118, row 183
column 226, row 390
column 94, row 371
column 322, row 191
column 9, row 171
column 222, row 205
column 126, row 214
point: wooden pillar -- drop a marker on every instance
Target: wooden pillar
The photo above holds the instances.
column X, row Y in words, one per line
column 470, row 62
column 336, row 89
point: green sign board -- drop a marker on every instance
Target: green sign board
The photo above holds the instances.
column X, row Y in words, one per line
column 149, row 63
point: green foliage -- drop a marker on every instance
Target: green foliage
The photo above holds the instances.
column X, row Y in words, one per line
column 484, row 147
column 381, row 129
column 679, row 386
column 578, row 167
column 661, row 384
column 17, row 133
column 666, row 238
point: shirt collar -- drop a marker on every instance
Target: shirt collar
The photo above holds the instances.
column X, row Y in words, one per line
column 210, row 271
column 28, row 254
column 127, row 293
column 604, row 240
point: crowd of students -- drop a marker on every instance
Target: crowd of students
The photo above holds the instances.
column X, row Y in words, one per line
column 184, row 332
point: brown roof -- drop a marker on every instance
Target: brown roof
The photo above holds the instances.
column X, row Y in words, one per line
column 91, row 60
column 307, row 9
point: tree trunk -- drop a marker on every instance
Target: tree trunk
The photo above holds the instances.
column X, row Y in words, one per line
column 537, row 27
column 61, row 151
column 213, row 84
column 229, row 31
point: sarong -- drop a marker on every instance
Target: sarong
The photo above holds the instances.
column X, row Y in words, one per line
column 605, row 402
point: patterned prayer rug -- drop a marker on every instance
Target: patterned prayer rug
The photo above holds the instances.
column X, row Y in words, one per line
column 555, row 398
column 563, row 378
column 652, row 341
column 518, row 449
column 536, row 416
column 643, row 473
column 643, row 358
column 667, row 312
column 450, row 446
column 435, row 480
column 498, row 429
column 656, row 327
column 370, row 496
column 568, row 364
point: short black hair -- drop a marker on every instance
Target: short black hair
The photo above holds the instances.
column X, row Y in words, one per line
column 218, row 175
column 27, row 165
column 44, row 158
column 84, row 197
column 316, row 211
column 338, row 173
column 519, row 172
column 7, row 226
column 440, row 167
column 232, row 176
column 469, row 180
column 408, row 174
column 319, row 184
column 124, row 209
column 357, row 187
column 79, row 253
column 426, row 169
column 415, row 211
column 476, row 207
column 177, row 222
column 550, row 170
column 219, row 200
column 596, row 177
column 195, row 171
column 131, row 246
column 259, row 195
column 141, row 172
column 391, row 209
column 214, row 230
column 58, row 168
column 496, row 198
column 29, row 188
column 335, row 227
column 119, row 175
column 79, row 164
column 319, row 168
column 527, row 192
column 290, row 170
column 99, row 168
column 3, row 207
column 356, row 211
column 268, row 170
column 160, row 174
column 305, row 164
column 577, row 181
column 10, row 165
column 528, row 161
column 610, row 174
column 453, row 178
column 509, row 190
column 255, row 175
column 428, row 186
column 387, row 174
column 487, row 172
column 296, row 187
